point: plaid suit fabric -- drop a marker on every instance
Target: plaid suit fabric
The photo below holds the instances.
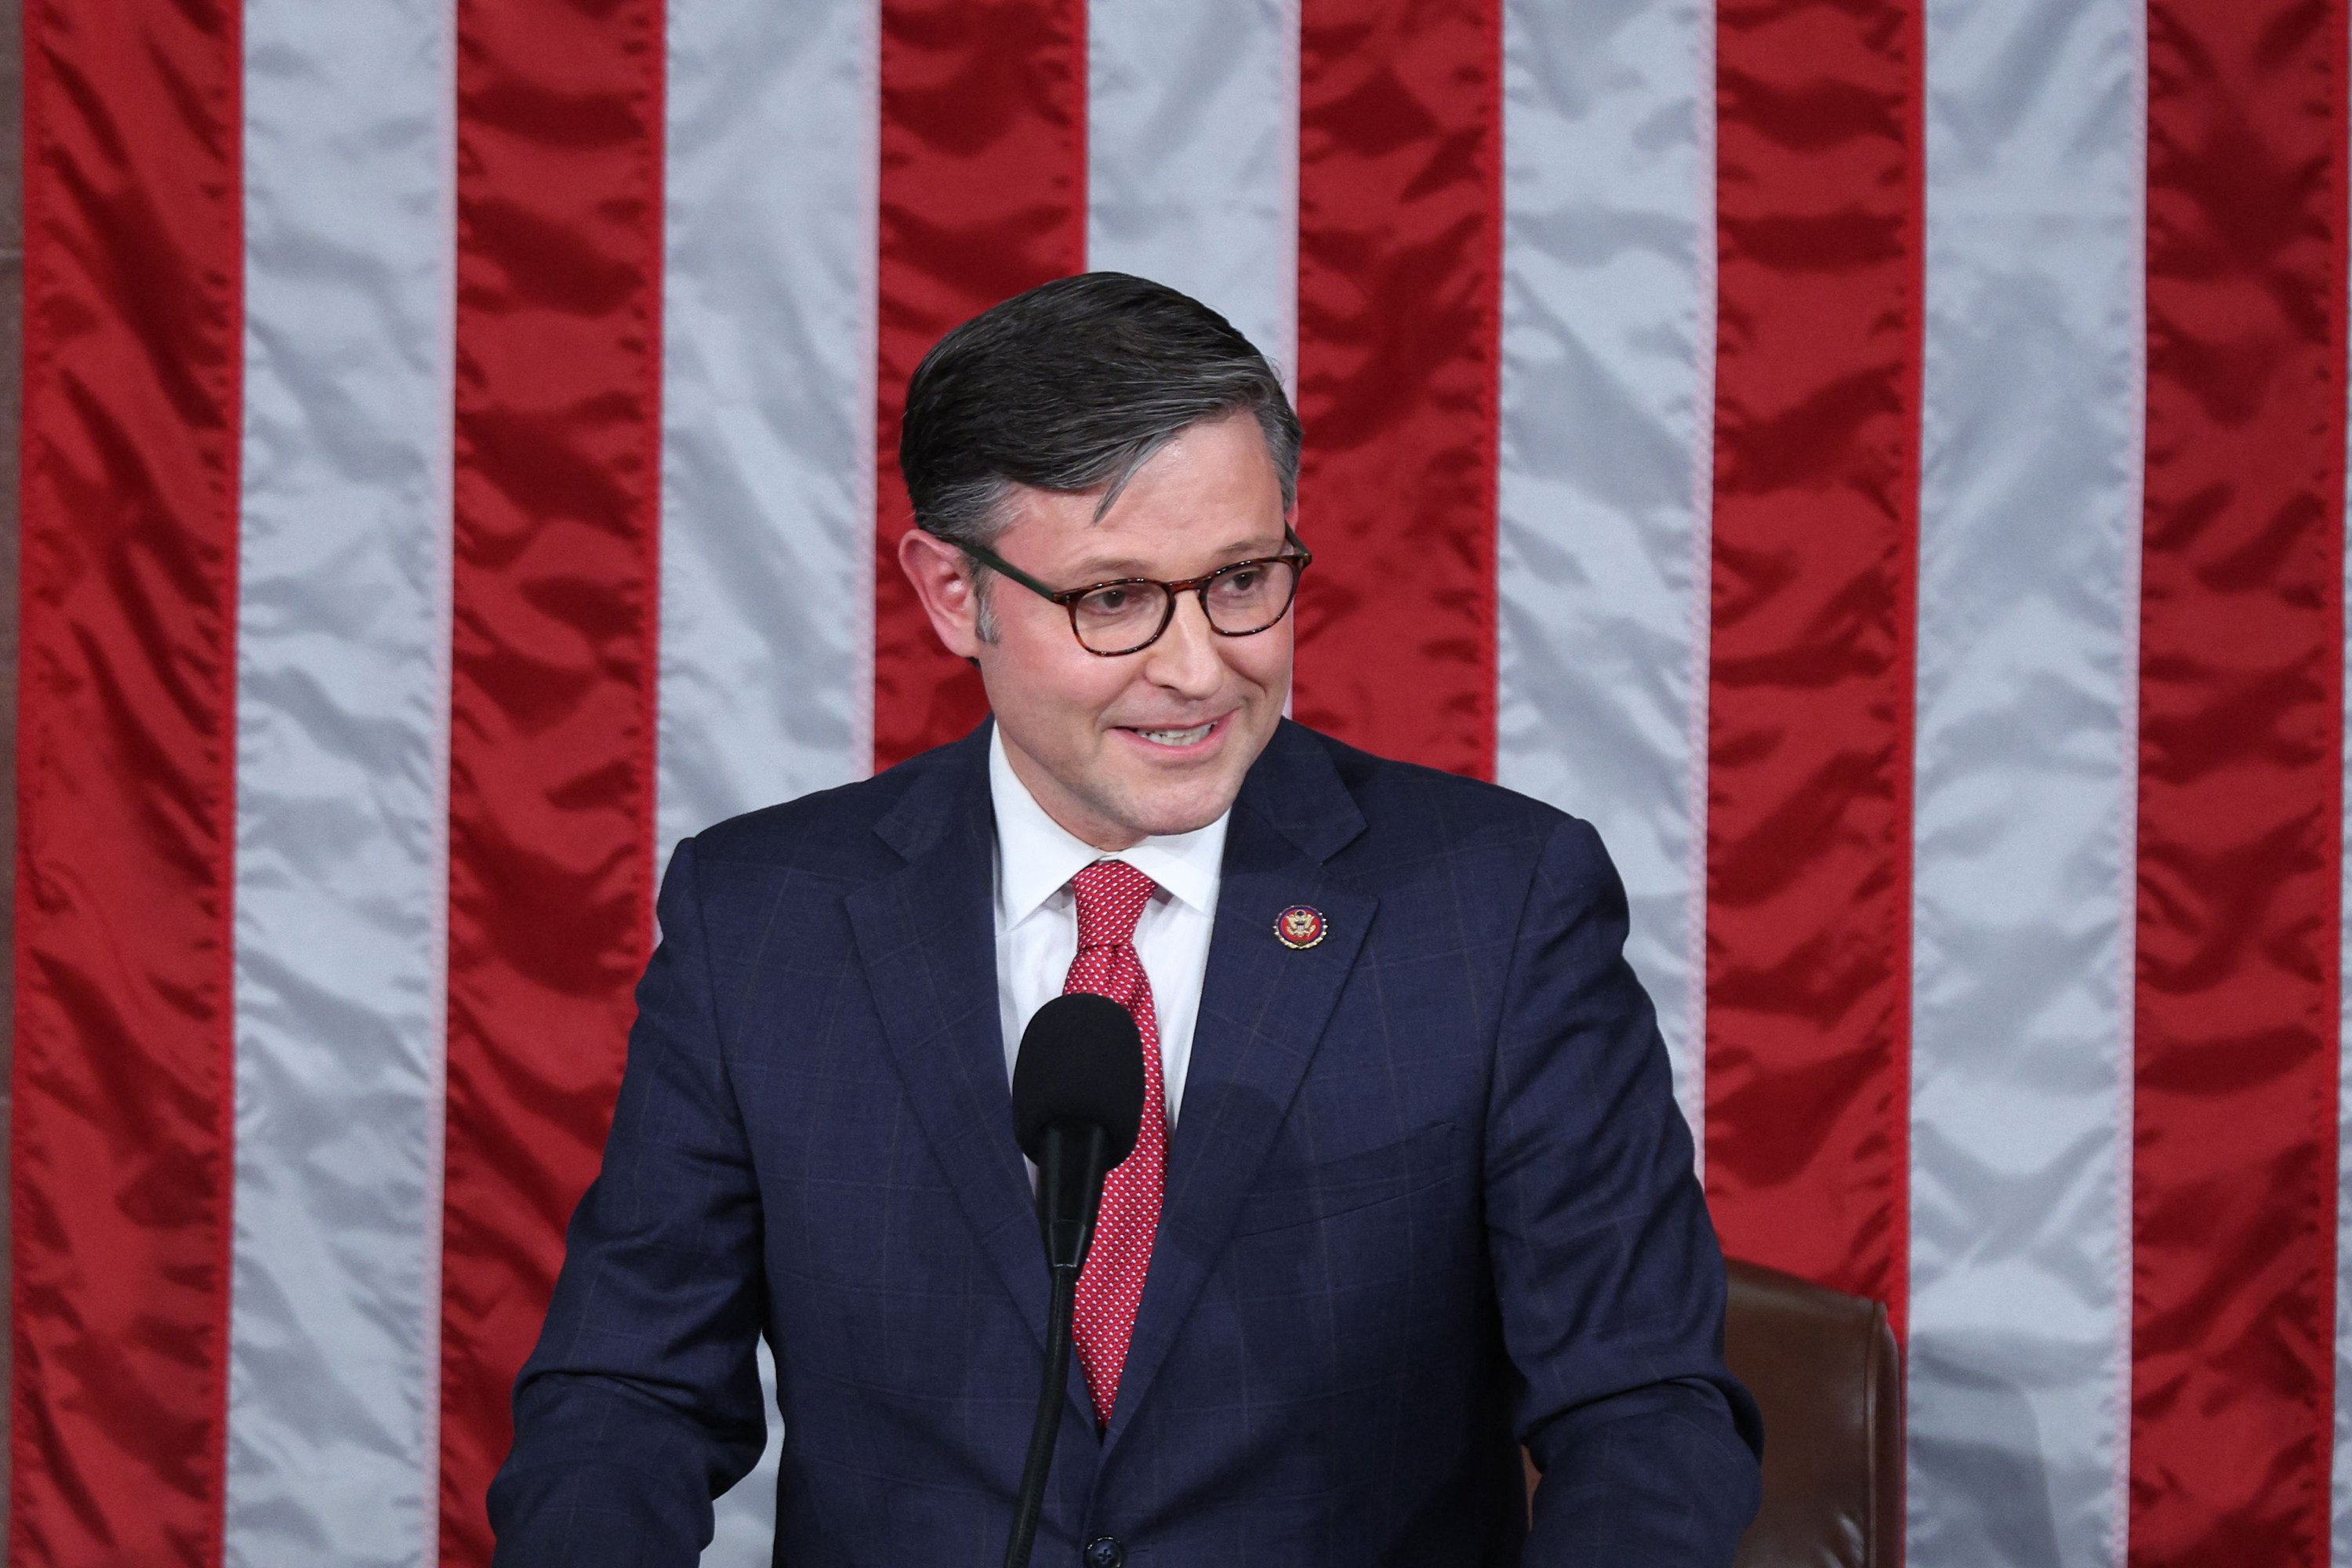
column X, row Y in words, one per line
column 1430, row 1198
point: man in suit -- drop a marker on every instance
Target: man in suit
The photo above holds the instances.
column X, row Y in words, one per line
column 1411, row 1190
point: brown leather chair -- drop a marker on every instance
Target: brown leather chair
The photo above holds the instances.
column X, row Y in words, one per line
column 1823, row 1368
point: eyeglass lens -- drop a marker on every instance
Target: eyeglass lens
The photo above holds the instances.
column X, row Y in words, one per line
column 1123, row 616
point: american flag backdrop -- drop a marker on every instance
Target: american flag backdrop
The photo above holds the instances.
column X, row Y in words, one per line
column 1882, row 461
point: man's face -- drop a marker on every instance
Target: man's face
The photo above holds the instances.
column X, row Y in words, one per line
column 1118, row 749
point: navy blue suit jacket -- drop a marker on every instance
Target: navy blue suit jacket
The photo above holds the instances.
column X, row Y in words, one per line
column 1428, row 1198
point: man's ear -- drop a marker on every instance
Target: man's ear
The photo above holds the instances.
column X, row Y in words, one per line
column 942, row 579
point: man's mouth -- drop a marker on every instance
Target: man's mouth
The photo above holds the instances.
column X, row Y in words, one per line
column 1175, row 739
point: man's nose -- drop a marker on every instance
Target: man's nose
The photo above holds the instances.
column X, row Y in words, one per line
column 1186, row 659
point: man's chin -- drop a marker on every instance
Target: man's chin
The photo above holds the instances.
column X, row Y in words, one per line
column 1171, row 823
column 1164, row 814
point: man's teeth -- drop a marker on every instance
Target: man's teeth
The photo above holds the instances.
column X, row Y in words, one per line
column 1192, row 736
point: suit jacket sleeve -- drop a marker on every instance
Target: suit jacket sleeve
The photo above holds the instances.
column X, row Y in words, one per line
column 1607, row 1271
column 642, row 1401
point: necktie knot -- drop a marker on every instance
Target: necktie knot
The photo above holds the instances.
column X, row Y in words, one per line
column 1111, row 895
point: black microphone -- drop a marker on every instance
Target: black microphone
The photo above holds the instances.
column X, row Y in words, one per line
column 1077, row 1104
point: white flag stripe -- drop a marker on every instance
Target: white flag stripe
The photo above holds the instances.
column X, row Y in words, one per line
column 1193, row 155
column 2342, row 1489
column 342, row 763
column 1606, row 433
column 2341, row 1474
column 767, row 529
column 2026, row 784
column 767, row 496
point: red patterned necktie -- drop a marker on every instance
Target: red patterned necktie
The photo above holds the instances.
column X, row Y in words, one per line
column 1111, row 895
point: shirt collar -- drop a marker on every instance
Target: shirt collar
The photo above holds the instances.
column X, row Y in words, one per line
column 1036, row 855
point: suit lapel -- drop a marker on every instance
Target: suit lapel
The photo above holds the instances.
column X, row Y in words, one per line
column 1263, row 1010
column 926, row 936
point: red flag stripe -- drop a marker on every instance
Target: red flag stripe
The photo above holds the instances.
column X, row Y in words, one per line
column 2234, row 1210
column 1816, row 497
column 1400, row 264
column 123, row 1083
column 983, row 195
column 554, row 609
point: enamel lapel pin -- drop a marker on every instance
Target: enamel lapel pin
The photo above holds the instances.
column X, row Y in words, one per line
column 1298, row 927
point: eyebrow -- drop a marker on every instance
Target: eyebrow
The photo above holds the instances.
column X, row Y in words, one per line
column 1105, row 568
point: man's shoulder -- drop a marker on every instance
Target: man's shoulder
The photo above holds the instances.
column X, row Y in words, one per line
column 1441, row 807
column 834, row 831
column 829, row 830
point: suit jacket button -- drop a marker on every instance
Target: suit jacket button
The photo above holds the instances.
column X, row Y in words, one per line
column 1104, row 1551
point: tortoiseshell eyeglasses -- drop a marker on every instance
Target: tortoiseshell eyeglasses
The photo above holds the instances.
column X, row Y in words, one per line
column 1129, row 614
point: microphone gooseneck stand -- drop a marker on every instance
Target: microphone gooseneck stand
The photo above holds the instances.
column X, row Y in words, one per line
column 1059, row 1311
column 1069, row 1196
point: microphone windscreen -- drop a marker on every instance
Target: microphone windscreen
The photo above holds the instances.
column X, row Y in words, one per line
column 1081, row 1061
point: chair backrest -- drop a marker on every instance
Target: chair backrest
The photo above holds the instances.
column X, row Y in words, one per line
column 1824, row 1370
column 1824, row 1367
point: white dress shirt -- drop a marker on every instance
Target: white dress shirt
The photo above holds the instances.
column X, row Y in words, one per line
column 1037, row 915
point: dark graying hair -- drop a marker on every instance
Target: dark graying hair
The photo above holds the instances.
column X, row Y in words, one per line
column 1072, row 387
